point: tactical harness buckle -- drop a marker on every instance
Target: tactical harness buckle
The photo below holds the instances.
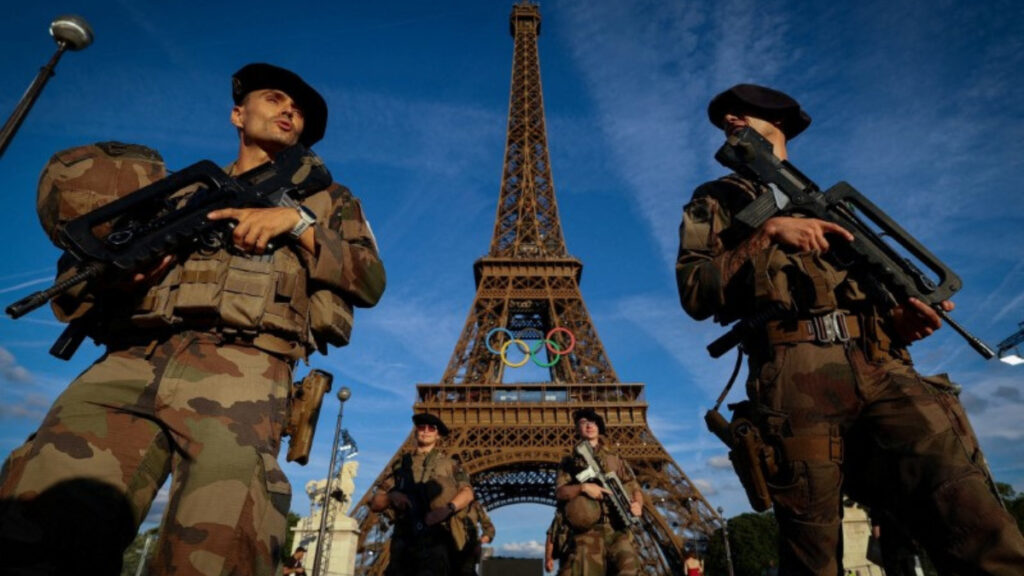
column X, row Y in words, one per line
column 830, row 327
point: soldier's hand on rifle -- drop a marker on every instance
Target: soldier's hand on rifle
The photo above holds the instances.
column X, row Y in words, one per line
column 636, row 508
column 916, row 320
column 150, row 277
column 398, row 500
column 256, row 227
column 594, row 491
column 438, row 515
column 805, row 234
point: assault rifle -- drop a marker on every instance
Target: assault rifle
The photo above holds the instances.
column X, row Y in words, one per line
column 416, row 513
column 897, row 277
column 619, row 500
column 169, row 217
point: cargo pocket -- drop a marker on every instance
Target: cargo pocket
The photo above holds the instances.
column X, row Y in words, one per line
column 274, row 524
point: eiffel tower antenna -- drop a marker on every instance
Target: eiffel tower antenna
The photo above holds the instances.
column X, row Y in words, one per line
column 511, row 434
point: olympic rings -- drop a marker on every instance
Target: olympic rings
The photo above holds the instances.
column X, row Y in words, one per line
column 530, row 352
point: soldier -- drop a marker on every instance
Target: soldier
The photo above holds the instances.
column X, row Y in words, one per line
column 196, row 377
column 471, row 553
column 839, row 413
column 601, row 543
column 557, row 543
column 422, row 493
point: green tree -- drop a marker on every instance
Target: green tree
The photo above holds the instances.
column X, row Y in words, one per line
column 753, row 541
column 286, row 550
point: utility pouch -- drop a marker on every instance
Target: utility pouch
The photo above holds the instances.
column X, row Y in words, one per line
column 303, row 413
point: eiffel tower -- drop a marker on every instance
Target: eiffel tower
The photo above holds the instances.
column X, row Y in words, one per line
column 511, row 436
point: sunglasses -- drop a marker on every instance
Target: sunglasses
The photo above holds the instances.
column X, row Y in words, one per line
column 426, row 427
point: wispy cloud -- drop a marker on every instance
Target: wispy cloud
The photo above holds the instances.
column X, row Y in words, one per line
column 529, row 549
column 10, row 370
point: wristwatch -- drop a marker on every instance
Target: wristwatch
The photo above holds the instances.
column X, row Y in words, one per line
column 306, row 219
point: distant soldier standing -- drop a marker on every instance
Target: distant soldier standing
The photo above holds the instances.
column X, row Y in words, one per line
column 196, row 378
column 425, row 489
column 601, row 544
column 479, row 531
column 832, row 389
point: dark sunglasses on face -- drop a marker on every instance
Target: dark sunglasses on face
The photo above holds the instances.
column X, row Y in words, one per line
column 427, row 427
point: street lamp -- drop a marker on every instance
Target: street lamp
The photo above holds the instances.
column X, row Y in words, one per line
column 343, row 395
column 1008, row 352
column 725, row 537
column 70, row 33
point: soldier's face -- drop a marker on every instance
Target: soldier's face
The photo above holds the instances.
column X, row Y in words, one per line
column 269, row 119
column 736, row 122
column 587, row 429
column 426, row 435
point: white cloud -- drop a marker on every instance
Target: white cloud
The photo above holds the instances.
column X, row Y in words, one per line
column 529, row 549
column 721, row 462
column 10, row 370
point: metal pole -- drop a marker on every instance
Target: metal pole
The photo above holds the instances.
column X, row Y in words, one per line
column 142, row 557
column 70, row 32
column 343, row 395
column 725, row 537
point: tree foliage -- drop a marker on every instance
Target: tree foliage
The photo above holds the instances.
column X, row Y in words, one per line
column 753, row 542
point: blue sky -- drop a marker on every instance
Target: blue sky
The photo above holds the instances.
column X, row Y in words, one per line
column 918, row 105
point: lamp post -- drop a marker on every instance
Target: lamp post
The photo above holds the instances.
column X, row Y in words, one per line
column 725, row 538
column 69, row 32
column 1008, row 352
column 343, row 395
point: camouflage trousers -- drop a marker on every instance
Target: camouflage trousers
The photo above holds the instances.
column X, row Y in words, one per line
column 207, row 413
column 601, row 551
column 891, row 438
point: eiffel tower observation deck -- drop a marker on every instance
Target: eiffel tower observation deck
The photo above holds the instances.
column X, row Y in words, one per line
column 529, row 318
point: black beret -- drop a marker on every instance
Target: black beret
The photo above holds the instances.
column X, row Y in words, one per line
column 425, row 418
column 591, row 415
column 261, row 76
column 761, row 102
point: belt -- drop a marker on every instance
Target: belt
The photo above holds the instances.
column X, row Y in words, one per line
column 827, row 328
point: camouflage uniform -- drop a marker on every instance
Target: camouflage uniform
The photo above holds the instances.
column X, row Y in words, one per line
column 190, row 394
column 606, row 547
column 437, row 478
column 470, row 554
column 850, row 417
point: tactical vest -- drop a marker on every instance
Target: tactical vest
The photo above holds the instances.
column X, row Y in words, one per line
column 249, row 294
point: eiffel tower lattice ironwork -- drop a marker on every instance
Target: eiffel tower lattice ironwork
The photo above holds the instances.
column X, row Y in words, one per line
column 511, row 436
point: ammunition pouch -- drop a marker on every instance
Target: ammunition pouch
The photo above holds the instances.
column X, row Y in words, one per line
column 304, row 412
column 330, row 320
column 232, row 292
